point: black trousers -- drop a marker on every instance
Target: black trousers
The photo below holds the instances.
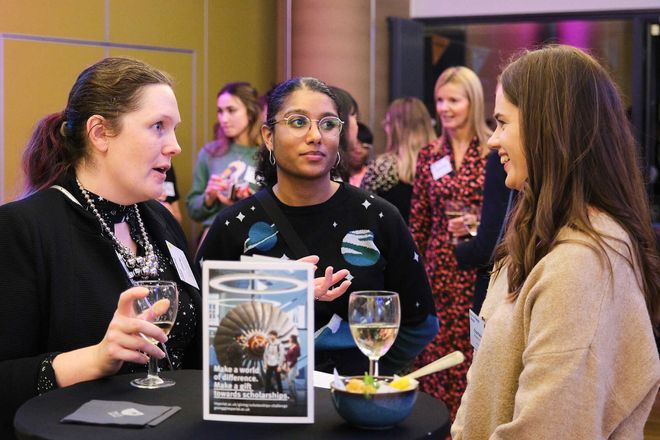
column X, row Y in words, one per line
column 269, row 379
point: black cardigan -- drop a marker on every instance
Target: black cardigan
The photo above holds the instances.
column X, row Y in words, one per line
column 477, row 253
column 60, row 281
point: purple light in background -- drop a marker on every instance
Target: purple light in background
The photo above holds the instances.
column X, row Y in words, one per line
column 524, row 34
column 574, row 33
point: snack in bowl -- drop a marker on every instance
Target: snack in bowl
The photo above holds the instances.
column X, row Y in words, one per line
column 374, row 402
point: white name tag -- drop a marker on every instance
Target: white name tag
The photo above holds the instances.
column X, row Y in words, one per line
column 441, row 167
column 182, row 266
column 477, row 326
column 169, row 189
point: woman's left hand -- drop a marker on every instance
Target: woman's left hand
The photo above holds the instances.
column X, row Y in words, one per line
column 458, row 226
column 323, row 290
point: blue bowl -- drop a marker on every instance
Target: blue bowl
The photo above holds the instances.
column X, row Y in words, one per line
column 373, row 411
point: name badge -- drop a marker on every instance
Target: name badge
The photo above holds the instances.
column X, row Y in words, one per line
column 169, row 189
column 477, row 326
column 441, row 167
column 182, row 266
column 249, row 175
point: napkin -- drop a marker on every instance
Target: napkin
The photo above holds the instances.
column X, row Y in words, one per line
column 120, row 413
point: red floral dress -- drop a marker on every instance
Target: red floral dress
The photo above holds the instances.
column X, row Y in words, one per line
column 452, row 287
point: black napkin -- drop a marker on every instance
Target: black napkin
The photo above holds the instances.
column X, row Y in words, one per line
column 120, row 413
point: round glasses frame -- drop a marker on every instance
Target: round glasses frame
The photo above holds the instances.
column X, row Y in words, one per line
column 302, row 124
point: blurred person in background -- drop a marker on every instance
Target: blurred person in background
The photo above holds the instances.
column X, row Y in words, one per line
column 224, row 172
column 408, row 128
column 349, row 112
column 170, row 197
column 450, row 171
column 358, row 154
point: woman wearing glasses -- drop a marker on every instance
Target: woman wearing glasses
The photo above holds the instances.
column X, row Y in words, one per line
column 347, row 228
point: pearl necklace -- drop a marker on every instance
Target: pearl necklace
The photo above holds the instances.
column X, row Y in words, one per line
column 138, row 267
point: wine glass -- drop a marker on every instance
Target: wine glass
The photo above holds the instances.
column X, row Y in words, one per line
column 454, row 209
column 158, row 291
column 472, row 219
column 374, row 317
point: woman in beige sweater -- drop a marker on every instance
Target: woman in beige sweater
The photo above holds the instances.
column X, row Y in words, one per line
column 568, row 348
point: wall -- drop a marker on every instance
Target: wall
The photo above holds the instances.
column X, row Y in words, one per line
column 448, row 8
column 346, row 44
column 202, row 43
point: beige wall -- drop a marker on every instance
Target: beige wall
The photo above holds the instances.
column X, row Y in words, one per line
column 344, row 43
column 202, row 43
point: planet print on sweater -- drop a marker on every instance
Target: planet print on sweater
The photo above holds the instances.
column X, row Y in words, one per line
column 358, row 248
column 261, row 236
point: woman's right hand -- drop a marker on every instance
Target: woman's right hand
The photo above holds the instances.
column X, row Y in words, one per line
column 123, row 341
column 214, row 190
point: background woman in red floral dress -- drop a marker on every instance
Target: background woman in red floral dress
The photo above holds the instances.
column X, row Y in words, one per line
column 451, row 169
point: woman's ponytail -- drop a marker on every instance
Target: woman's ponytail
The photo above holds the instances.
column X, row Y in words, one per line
column 45, row 157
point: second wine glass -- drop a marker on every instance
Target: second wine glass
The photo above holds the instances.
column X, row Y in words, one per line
column 374, row 317
column 158, row 291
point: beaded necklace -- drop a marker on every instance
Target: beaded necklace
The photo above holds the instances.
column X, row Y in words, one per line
column 138, row 267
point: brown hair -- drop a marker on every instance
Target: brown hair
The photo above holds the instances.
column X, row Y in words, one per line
column 410, row 130
column 470, row 82
column 266, row 171
column 109, row 88
column 580, row 153
column 250, row 99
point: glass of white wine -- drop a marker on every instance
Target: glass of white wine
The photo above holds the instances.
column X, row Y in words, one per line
column 454, row 209
column 472, row 219
column 158, row 291
column 374, row 317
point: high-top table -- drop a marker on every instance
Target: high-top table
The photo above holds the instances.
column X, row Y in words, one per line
column 39, row 418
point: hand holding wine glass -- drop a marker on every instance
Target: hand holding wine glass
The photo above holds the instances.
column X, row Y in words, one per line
column 374, row 317
column 464, row 220
column 160, row 307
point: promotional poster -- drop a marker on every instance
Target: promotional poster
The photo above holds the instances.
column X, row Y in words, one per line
column 258, row 345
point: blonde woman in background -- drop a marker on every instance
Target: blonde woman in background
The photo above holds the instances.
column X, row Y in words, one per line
column 450, row 170
column 407, row 125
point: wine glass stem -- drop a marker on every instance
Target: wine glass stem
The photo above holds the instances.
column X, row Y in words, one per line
column 373, row 367
column 153, row 367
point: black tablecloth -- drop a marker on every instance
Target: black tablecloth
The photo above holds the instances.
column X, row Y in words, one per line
column 40, row 416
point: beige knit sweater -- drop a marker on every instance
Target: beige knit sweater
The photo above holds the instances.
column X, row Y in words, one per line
column 572, row 358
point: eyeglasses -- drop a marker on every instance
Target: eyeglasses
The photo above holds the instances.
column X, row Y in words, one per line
column 300, row 124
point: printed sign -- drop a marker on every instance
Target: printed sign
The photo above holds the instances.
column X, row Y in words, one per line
column 258, row 345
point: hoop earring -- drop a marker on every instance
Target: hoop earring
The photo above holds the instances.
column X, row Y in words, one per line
column 338, row 160
column 271, row 158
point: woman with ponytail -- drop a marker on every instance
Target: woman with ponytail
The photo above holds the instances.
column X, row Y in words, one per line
column 86, row 230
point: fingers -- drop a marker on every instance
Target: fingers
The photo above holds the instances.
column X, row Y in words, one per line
column 336, row 292
column 126, row 299
column 456, row 224
column 118, row 342
column 157, row 309
column 322, row 285
column 314, row 259
column 339, row 275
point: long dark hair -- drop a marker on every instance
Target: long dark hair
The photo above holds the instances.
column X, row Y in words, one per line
column 266, row 173
column 250, row 99
column 580, row 153
column 109, row 88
